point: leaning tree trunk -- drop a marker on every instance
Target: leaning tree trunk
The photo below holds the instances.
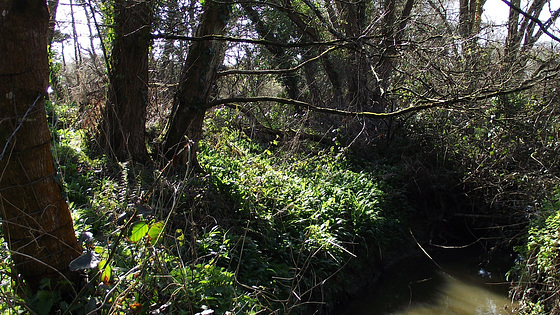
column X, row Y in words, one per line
column 123, row 131
column 197, row 80
column 36, row 221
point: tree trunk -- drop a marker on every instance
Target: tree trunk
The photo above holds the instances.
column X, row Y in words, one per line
column 197, row 80
column 513, row 37
column 282, row 60
column 36, row 221
column 308, row 31
column 470, row 17
column 53, row 75
column 53, row 5
column 124, row 126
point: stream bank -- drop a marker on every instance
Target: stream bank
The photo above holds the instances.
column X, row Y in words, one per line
column 445, row 282
column 454, row 268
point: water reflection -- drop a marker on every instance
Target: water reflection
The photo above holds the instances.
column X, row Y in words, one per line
column 417, row 286
column 456, row 296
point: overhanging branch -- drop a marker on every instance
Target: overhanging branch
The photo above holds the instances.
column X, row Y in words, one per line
column 249, row 40
column 422, row 105
column 276, row 71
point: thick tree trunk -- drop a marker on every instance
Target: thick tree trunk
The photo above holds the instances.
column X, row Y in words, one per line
column 123, row 130
column 35, row 219
column 198, row 77
column 513, row 37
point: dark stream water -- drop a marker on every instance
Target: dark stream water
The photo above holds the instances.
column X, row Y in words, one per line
column 453, row 283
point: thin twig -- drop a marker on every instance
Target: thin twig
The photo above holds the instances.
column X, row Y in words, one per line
column 19, row 126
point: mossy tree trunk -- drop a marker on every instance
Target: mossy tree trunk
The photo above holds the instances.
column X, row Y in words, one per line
column 36, row 221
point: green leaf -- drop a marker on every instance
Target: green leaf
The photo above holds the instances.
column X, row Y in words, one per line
column 45, row 301
column 138, row 231
column 154, row 231
column 106, row 275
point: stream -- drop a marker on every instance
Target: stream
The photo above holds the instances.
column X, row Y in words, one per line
column 451, row 282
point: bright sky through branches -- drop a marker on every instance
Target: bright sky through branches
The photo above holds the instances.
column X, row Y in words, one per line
column 495, row 12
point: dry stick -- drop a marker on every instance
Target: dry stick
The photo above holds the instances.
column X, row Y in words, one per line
column 77, row 51
column 422, row 248
column 277, row 71
column 91, row 35
column 112, row 290
column 260, row 41
column 100, row 34
column 123, row 230
column 345, row 149
column 108, row 261
column 153, row 187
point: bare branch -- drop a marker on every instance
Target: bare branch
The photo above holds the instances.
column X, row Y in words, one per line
column 249, row 40
column 419, row 106
column 277, row 71
column 542, row 26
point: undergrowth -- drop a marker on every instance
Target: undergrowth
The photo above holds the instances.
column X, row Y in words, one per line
column 537, row 284
column 261, row 230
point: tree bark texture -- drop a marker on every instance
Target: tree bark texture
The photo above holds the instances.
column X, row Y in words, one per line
column 470, row 18
column 199, row 72
column 123, row 130
column 36, row 221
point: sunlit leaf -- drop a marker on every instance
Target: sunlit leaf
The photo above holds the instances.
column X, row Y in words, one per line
column 138, row 231
column 106, row 275
column 155, row 230
column 99, row 250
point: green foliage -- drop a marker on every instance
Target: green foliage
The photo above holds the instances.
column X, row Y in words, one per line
column 538, row 280
column 312, row 211
column 502, row 149
column 139, row 229
column 11, row 303
column 298, row 221
column 505, row 152
column 262, row 232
